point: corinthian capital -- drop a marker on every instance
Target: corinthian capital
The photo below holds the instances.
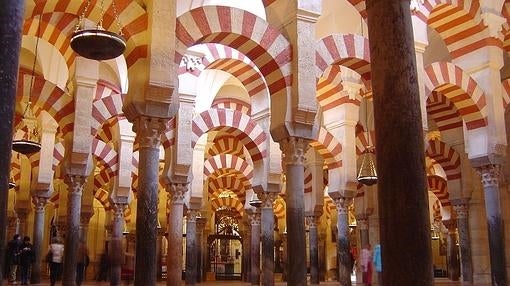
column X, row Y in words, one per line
column 40, row 203
column 176, row 192
column 75, row 183
column 489, row 175
column 148, row 131
column 267, row 199
column 342, row 204
column 294, row 150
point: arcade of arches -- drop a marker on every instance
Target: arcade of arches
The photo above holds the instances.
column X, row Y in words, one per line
column 224, row 143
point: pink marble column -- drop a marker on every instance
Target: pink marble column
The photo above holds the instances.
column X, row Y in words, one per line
column 343, row 243
column 75, row 184
column 148, row 134
column 461, row 207
column 294, row 149
column 38, row 237
column 176, row 194
column 402, row 196
column 490, row 175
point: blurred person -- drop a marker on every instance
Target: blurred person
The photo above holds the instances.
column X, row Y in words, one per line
column 82, row 262
column 12, row 257
column 55, row 258
column 26, row 259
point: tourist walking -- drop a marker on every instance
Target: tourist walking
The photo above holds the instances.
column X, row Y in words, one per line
column 12, row 258
column 55, row 258
column 26, row 259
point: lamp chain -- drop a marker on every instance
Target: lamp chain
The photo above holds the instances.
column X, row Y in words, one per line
column 100, row 22
column 116, row 14
column 33, row 65
column 82, row 17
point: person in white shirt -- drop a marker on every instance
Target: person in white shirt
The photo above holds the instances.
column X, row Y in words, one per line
column 366, row 265
column 55, row 258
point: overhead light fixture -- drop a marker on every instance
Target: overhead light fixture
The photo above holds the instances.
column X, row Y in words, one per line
column 367, row 173
column 255, row 201
column 97, row 43
column 31, row 141
column 12, row 183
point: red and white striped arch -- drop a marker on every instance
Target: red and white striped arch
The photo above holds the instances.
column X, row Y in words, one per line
column 329, row 89
column 105, row 133
column 436, row 211
column 226, row 144
column 462, row 90
column 106, row 155
column 308, row 180
column 506, row 92
column 236, row 184
column 107, row 104
column 505, row 11
column 233, row 104
column 235, row 123
column 228, row 202
column 329, row 206
column 328, row 146
column 443, row 112
column 15, row 172
column 459, row 25
column 364, row 139
column 101, row 180
column 168, row 137
column 46, row 96
column 439, row 187
column 227, row 161
column 447, row 157
column 134, row 172
column 264, row 45
column 361, row 6
column 348, row 50
column 61, row 16
column 58, row 157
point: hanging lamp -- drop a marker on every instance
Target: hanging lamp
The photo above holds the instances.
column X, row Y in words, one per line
column 12, row 183
column 367, row 173
column 31, row 141
column 97, row 43
column 255, row 201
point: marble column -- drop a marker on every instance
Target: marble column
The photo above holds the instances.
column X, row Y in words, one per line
column 247, row 254
column 148, row 134
column 84, row 224
column 116, row 251
column 75, row 184
column 322, row 256
column 174, row 254
column 255, row 248
column 21, row 227
column 343, row 244
column 191, row 247
column 362, row 225
column 294, row 149
column 284, row 257
column 490, row 175
column 11, row 23
column 452, row 250
column 201, row 251
column 38, row 237
column 267, row 236
column 402, row 196
column 461, row 207
column 313, row 240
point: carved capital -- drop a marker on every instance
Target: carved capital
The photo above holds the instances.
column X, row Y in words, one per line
column 148, row 131
column 75, row 183
column 192, row 215
column 22, row 214
column 312, row 220
column 342, row 205
column 191, row 62
column 450, row 224
column 461, row 208
column 118, row 210
column 490, row 175
column 294, row 150
column 494, row 23
column 254, row 219
column 267, row 199
column 362, row 220
column 176, row 192
column 39, row 203
column 201, row 221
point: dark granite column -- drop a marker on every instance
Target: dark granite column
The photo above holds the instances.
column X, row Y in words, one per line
column 267, row 236
column 452, row 250
column 294, row 150
column 255, row 248
column 174, row 254
column 284, row 256
column 201, row 251
column 343, row 244
column 313, row 240
column 75, row 189
column 247, row 253
column 38, row 237
column 116, row 251
column 402, row 186
column 148, row 134
column 490, row 180
column 461, row 207
column 191, row 247
column 11, row 23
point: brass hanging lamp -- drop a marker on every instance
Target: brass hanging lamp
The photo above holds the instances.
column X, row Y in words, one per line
column 255, row 201
column 12, row 183
column 97, row 43
column 367, row 173
column 31, row 141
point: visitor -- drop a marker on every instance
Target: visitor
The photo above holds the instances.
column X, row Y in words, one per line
column 366, row 265
column 12, row 258
column 55, row 258
column 26, row 259
column 377, row 263
column 82, row 262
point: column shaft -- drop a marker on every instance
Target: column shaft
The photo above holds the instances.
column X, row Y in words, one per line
column 255, row 248
column 247, row 255
column 402, row 199
column 461, row 209
column 174, row 253
column 38, row 236
column 314, row 250
column 490, row 180
column 148, row 133
column 267, row 236
column 294, row 149
column 11, row 23
column 72, row 239
column 200, row 249
column 191, row 247
column 343, row 243
column 116, row 251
